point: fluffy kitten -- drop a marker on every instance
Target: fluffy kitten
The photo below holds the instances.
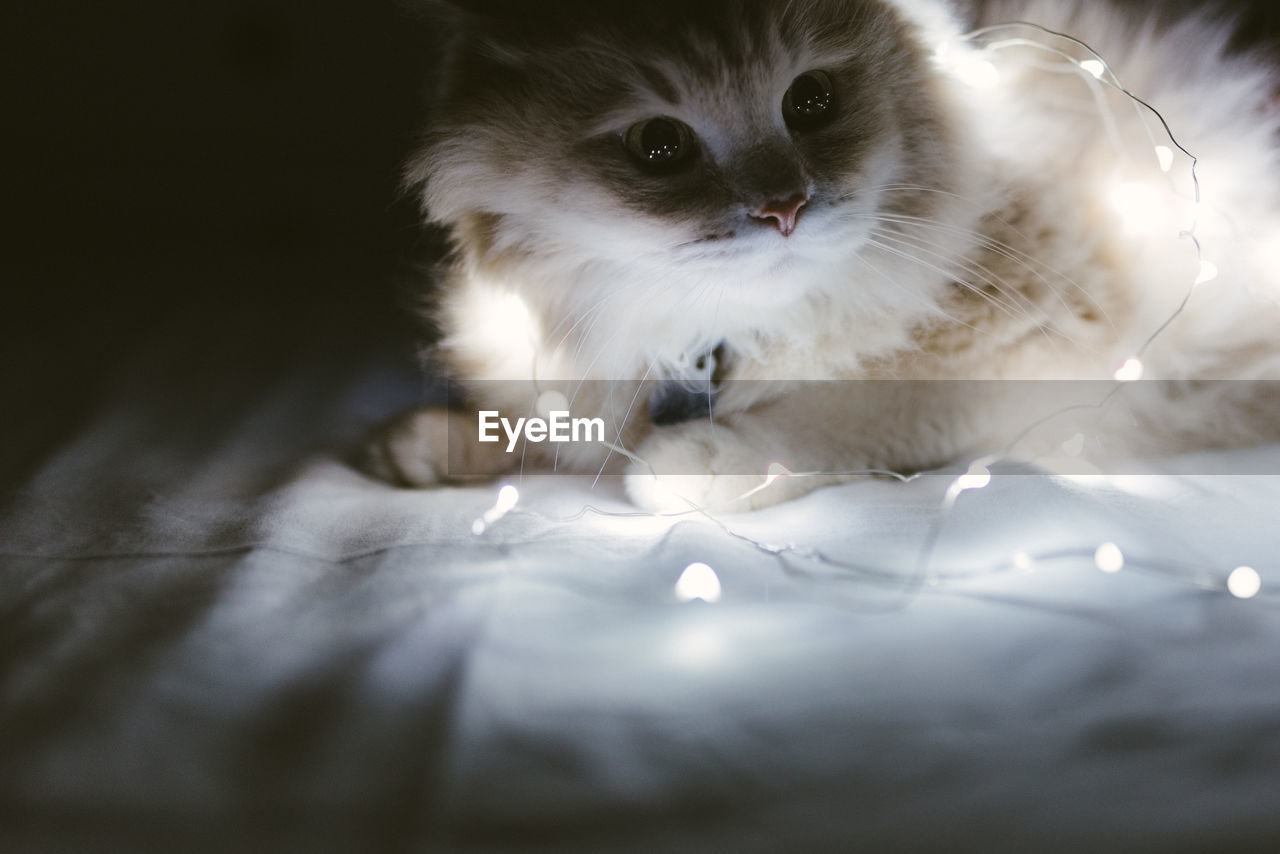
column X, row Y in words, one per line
column 832, row 200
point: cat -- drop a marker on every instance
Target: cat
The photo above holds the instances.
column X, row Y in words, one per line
column 755, row 238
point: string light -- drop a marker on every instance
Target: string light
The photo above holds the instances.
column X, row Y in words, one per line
column 968, row 65
column 698, row 582
column 1131, row 371
column 977, row 477
column 1141, row 208
column 979, row 73
column 1244, row 582
column 776, row 472
column 1208, row 272
column 510, row 335
column 1138, row 204
column 508, row 498
column 1109, row 558
column 549, row 402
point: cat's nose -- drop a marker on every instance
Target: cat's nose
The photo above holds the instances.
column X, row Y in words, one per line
column 782, row 213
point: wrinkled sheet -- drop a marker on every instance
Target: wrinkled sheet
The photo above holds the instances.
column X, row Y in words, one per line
column 217, row 631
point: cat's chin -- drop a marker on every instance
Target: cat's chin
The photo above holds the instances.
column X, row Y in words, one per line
column 760, row 258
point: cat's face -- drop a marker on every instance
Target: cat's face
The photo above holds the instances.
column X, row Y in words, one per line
column 695, row 141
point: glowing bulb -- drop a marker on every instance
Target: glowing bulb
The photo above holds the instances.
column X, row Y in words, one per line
column 978, row 477
column 1094, row 67
column 1131, row 371
column 978, row 73
column 1208, row 272
column 549, row 402
column 1244, row 582
column 1165, row 155
column 1138, row 204
column 698, row 581
column 508, row 497
column 1023, row 561
column 501, row 326
column 776, row 472
column 1109, row 558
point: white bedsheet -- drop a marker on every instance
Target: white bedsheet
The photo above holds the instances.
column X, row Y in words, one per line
column 216, row 631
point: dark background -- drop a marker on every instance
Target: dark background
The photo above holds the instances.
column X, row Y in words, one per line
column 231, row 166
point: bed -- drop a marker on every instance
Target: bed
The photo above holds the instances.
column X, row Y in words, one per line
column 216, row 631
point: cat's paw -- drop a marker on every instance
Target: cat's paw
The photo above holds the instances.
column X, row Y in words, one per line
column 701, row 466
column 414, row 449
column 410, row 449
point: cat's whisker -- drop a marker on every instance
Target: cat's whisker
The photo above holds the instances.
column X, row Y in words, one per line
column 1012, row 310
column 1057, row 295
column 866, row 192
column 594, row 311
column 982, row 207
column 583, row 339
column 621, row 423
column 1032, row 265
column 1042, row 324
column 987, row 275
column 1011, row 253
column 977, row 234
column 921, row 298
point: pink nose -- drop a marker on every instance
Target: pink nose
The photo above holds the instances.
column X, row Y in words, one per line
column 783, row 213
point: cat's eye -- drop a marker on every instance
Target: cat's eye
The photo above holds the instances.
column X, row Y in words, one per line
column 810, row 102
column 661, row 145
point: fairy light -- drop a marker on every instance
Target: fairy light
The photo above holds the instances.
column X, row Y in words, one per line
column 508, row 498
column 1208, row 272
column 1244, row 582
column 970, row 66
column 978, row 477
column 979, row 73
column 1109, row 558
column 1094, row 67
column 776, row 472
column 549, row 402
column 510, row 336
column 1138, row 204
column 698, row 582
column 1141, row 207
column 1131, row 371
